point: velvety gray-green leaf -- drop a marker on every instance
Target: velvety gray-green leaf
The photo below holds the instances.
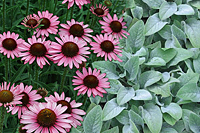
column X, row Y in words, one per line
column 137, row 12
column 92, row 122
column 123, row 117
column 155, row 4
column 167, row 9
column 115, row 85
column 174, row 110
column 112, row 130
column 153, row 25
column 185, row 9
column 130, row 128
column 125, row 94
column 194, row 123
column 142, row 95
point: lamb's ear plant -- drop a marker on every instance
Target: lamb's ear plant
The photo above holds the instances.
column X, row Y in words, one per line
column 156, row 87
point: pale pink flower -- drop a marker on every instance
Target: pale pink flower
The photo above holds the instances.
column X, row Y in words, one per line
column 79, row 3
column 46, row 118
column 77, row 29
column 113, row 26
column 69, row 51
column 71, row 107
column 9, row 44
column 36, row 49
column 31, row 21
column 90, row 82
column 29, row 98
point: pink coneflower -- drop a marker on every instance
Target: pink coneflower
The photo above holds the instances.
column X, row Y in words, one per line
column 31, row 21
column 77, row 29
column 106, row 46
column 91, row 82
column 36, row 49
column 113, row 26
column 99, row 11
column 50, row 24
column 29, row 98
column 69, row 51
column 42, row 92
column 46, row 118
column 9, row 44
column 9, row 96
column 79, row 3
column 65, row 101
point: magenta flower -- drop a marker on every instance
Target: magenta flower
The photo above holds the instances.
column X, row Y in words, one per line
column 99, row 11
column 50, row 24
column 91, row 82
column 9, row 44
column 31, row 21
column 71, row 107
column 46, row 118
column 106, row 46
column 29, row 98
column 113, row 26
column 36, row 49
column 69, row 51
column 9, row 96
column 79, row 3
column 77, row 29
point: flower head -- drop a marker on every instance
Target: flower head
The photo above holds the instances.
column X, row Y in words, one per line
column 31, row 21
column 9, row 96
column 9, row 44
column 71, row 107
column 50, row 24
column 42, row 92
column 45, row 118
column 107, row 3
column 113, row 26
column 77, row 29
column 29, row 98
column 36, row 49
column 91, row 82
column 99, row 11
column 106, row 46
column 79, row 3
column 69, row 51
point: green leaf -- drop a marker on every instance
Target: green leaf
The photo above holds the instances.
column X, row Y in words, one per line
column 17, row 75
column 142, row 95
column 163, row 90
column 167, row 9
column 174, row 110
column 130, row 4
column 106, row 67
column 125, row 94
column 195, row 3
column 115, row 85
column 130, row 128
column 170, row 120
column 156, row 62
column 111, row 110
column 188, row 78
column 185, row 9
column 112, row 130
column 155, row 4
column 149, row 77
column 168, row 130
column 193, row 93
column 136, row 39
column 185, row 117
column 123, row 117
column 152, row 117
column 194, row 123
column 166, row 32
column 191, row 29
column 178, row 33
column 137, row 12
column 182, row 54
column 92, row 122
column 132, row 66
column 153, row 25
column 137, row 119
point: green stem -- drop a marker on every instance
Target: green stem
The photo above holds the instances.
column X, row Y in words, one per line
column 4, row 15
column 11, row 4
column 6, row 68
column 29, row 74
column 114, row 7
column 2, row 115
column 85, row 99
column 63, row 80
column 27, row 7
column 67, row 12
column 72, row 10
column 55, row 6
column 88, row 15
column 36, row 74
column 44, row 4
column 9, row 69
column 94, row 22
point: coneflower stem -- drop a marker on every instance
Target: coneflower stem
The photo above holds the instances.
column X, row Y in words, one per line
column 3, row 112
column 63, row 80
column 85, row 99
column 36, row 74
column 67, row 12
column 4, row 15
column 114, row 7
column 11, row 4
column 72, row 10
column 27, row 7
column 55, row 6
column 6, row 69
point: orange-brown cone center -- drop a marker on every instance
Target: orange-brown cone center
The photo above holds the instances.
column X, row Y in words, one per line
column 65, row 103
column 91, row 81
column 31, row 22
column 6, row 96
column 46, row 117
column 25, row 99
